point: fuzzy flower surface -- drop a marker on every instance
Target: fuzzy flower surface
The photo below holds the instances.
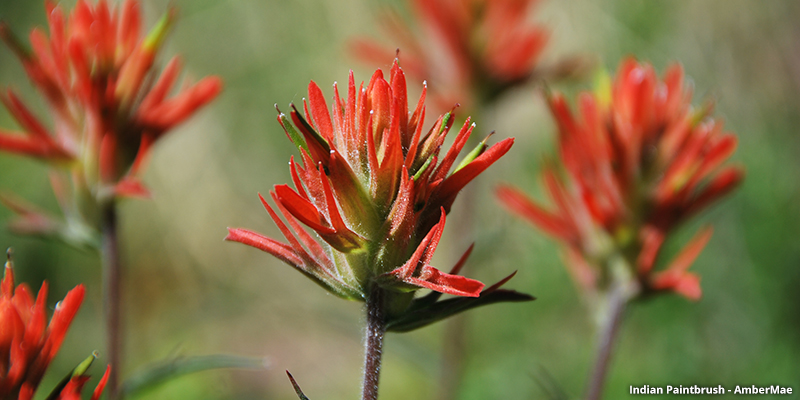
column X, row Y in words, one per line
column 28, row 342
column 374, row 186
column 108, row 103
column 470, row 51
column 638, row 160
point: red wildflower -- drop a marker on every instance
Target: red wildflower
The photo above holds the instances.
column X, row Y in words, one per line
column 469, row 50
column 97, row 75
column 374, row 187
column 28, row 343
column 639, row 161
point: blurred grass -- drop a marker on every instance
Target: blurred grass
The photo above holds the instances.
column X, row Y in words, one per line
column 189, row 293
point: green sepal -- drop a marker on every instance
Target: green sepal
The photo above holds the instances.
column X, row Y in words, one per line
column 155, row 38
column 602, row 88
column 293, row 134
column 78, row 371
column 445, row 120
column 697, row 116
column 422, row 169
column 311, row 131
column 472, row 155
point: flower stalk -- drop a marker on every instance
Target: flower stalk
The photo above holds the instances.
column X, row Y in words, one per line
column 373, row 343
column 112, row 295
column 608, row 331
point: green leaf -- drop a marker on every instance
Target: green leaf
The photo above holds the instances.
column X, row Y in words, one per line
column 296, row 387
column 161, row 372
column 548, row 384
column 424, row 312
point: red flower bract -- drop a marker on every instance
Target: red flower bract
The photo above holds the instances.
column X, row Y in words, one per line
column 95, row 71
column 374, row 187
column 28, row 343
column 469, row 50
column 639, row 161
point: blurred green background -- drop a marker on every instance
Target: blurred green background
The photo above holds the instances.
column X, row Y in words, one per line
column 187, row 292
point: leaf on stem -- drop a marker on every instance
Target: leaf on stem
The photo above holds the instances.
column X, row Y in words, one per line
column 424, row 312
column 161, row 372
column 296, row 387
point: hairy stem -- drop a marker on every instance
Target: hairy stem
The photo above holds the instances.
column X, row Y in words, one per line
column 111, row 297
column 373, row 343
column 609, row 329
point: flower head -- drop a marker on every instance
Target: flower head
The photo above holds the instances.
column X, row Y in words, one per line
column 639, row 160
column 375, row 187
column 28, row 343
column 470, row 50
column 97, row 74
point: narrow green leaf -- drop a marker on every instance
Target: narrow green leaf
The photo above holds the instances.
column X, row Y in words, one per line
column 161, row 372
column 14, row 43
column 296, row 387
column 419, row 316
column 548, row 384
column 80, row 370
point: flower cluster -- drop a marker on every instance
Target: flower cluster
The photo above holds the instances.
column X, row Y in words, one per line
column 639, row 161
column 470, row 51
column 28, row 343
column 97, row 75
column 374, row 186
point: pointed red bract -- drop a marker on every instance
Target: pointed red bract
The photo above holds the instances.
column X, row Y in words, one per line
column 639, row 161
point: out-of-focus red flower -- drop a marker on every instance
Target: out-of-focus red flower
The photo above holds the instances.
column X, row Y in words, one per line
column 108, row 104
column 639, row 160
column 469, row 51
column 375, row 187
column 28, row 342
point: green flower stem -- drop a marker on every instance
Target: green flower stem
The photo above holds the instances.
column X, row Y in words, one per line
column 373, row 343
column 111, row 296
column 609, row 328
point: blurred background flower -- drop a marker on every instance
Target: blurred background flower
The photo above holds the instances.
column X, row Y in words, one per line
column 195, row 294
column 29, row 340
column 638, row 160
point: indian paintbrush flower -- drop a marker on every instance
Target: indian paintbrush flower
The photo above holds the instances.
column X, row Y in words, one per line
column 375, row 187
column 28, row 343
column 470, row 51
column 638, row 160
column 97, row 75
